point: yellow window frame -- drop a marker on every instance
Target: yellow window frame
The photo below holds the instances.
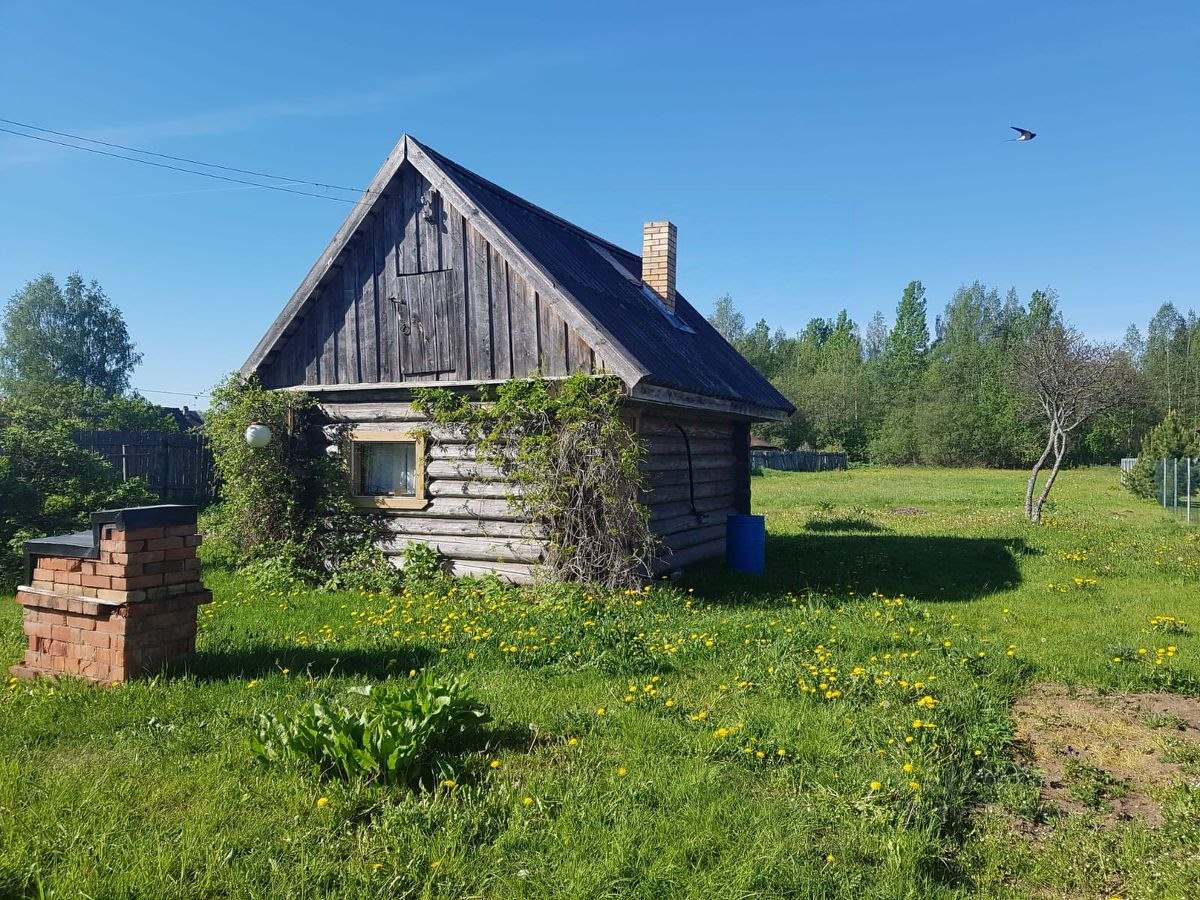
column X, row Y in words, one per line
column 420, row 498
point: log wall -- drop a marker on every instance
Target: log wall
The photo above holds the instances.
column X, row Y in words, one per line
column 469, row 521
column 688, row 509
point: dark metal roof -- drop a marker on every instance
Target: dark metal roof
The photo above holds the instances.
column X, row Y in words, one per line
column 694, row 358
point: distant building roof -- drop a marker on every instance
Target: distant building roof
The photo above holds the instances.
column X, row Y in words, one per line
column 185, row 419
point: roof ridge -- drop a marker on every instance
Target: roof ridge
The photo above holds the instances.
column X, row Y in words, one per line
column 521, row 201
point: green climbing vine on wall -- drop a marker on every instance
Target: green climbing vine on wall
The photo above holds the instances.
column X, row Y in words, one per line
column 573, row 467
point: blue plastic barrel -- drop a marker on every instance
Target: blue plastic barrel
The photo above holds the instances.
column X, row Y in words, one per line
column 746, row 544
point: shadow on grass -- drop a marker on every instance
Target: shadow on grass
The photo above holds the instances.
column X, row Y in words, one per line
column 212, row 664
column 860, row 525
column 843, row 565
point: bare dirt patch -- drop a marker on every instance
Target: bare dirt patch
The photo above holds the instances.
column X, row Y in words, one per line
column 908, row 511
column 1107, row 753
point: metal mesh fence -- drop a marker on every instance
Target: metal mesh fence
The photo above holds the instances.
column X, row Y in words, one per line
column 1175, row 482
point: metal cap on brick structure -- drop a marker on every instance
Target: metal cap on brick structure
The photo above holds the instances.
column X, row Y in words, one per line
column 658, row 260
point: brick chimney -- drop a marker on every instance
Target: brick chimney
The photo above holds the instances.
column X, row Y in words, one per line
column 658, row 260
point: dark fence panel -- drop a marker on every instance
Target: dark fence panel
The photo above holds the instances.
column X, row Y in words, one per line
column 797, row 460
column 175, row 466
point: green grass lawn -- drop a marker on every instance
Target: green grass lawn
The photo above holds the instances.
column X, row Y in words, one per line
column 837, row 728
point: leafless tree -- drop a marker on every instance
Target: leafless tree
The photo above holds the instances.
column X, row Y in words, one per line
column 1067, row 380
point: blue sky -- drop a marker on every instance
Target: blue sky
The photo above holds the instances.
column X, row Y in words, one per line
column 814, row 155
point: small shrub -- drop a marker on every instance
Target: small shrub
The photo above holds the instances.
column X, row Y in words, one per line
column 280, row 573
column 421, row 562
column 403, row 734
column 366, row 568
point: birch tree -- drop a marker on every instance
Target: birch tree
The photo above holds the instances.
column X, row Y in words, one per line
column 1067, row 380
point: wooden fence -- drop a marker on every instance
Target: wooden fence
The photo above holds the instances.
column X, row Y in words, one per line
column 177, row 467
column 797, row 460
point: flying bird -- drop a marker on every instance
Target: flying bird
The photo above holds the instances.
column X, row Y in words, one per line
column 1023, row 134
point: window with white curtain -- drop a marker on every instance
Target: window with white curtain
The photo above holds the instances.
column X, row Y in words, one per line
column 387, row 470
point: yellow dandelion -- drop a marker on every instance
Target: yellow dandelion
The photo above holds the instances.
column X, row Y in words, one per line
column 322, row 802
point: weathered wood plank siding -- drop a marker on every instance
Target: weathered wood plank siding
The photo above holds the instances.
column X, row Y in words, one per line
column 688, row 506
column 419, row 294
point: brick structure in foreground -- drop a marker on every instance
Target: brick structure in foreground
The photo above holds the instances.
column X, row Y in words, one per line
column 114, row 602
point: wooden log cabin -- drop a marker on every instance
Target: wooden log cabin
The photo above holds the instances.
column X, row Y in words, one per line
column 441, row 277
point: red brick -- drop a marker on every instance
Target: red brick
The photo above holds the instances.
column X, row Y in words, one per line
column 179, row 530
column 111, row 625
column 70, row 579
column 42, row 585
column 97, row 581
column 181, row 553
column 140, row 583
column 158, row 568
column 96, row 639
column 170, row 578
column 194, row 540
column 108, row 569
column 166, row 543
column 191, row 565
column 144, row 534
column 115, row 547
column 38, row 628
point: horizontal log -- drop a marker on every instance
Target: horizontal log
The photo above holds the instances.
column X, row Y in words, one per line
column 702, row 534
column 668, row 477
column 375, row 411
column 468, row 508
column 668, row 526
column 462, row 469
column 658, row 462
column 650, row 426
column 699, row 446
column 448, row 487
column 418, row 525
column 721, row 488
column 479, row 549
column 691, row 555
column 517, row 573
column 708, row 506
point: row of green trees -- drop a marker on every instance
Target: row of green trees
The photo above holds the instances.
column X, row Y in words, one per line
column 946, row 395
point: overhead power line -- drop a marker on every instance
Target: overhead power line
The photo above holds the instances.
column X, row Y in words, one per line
column 184, row 159
column 159, row 165
column 196, row 394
